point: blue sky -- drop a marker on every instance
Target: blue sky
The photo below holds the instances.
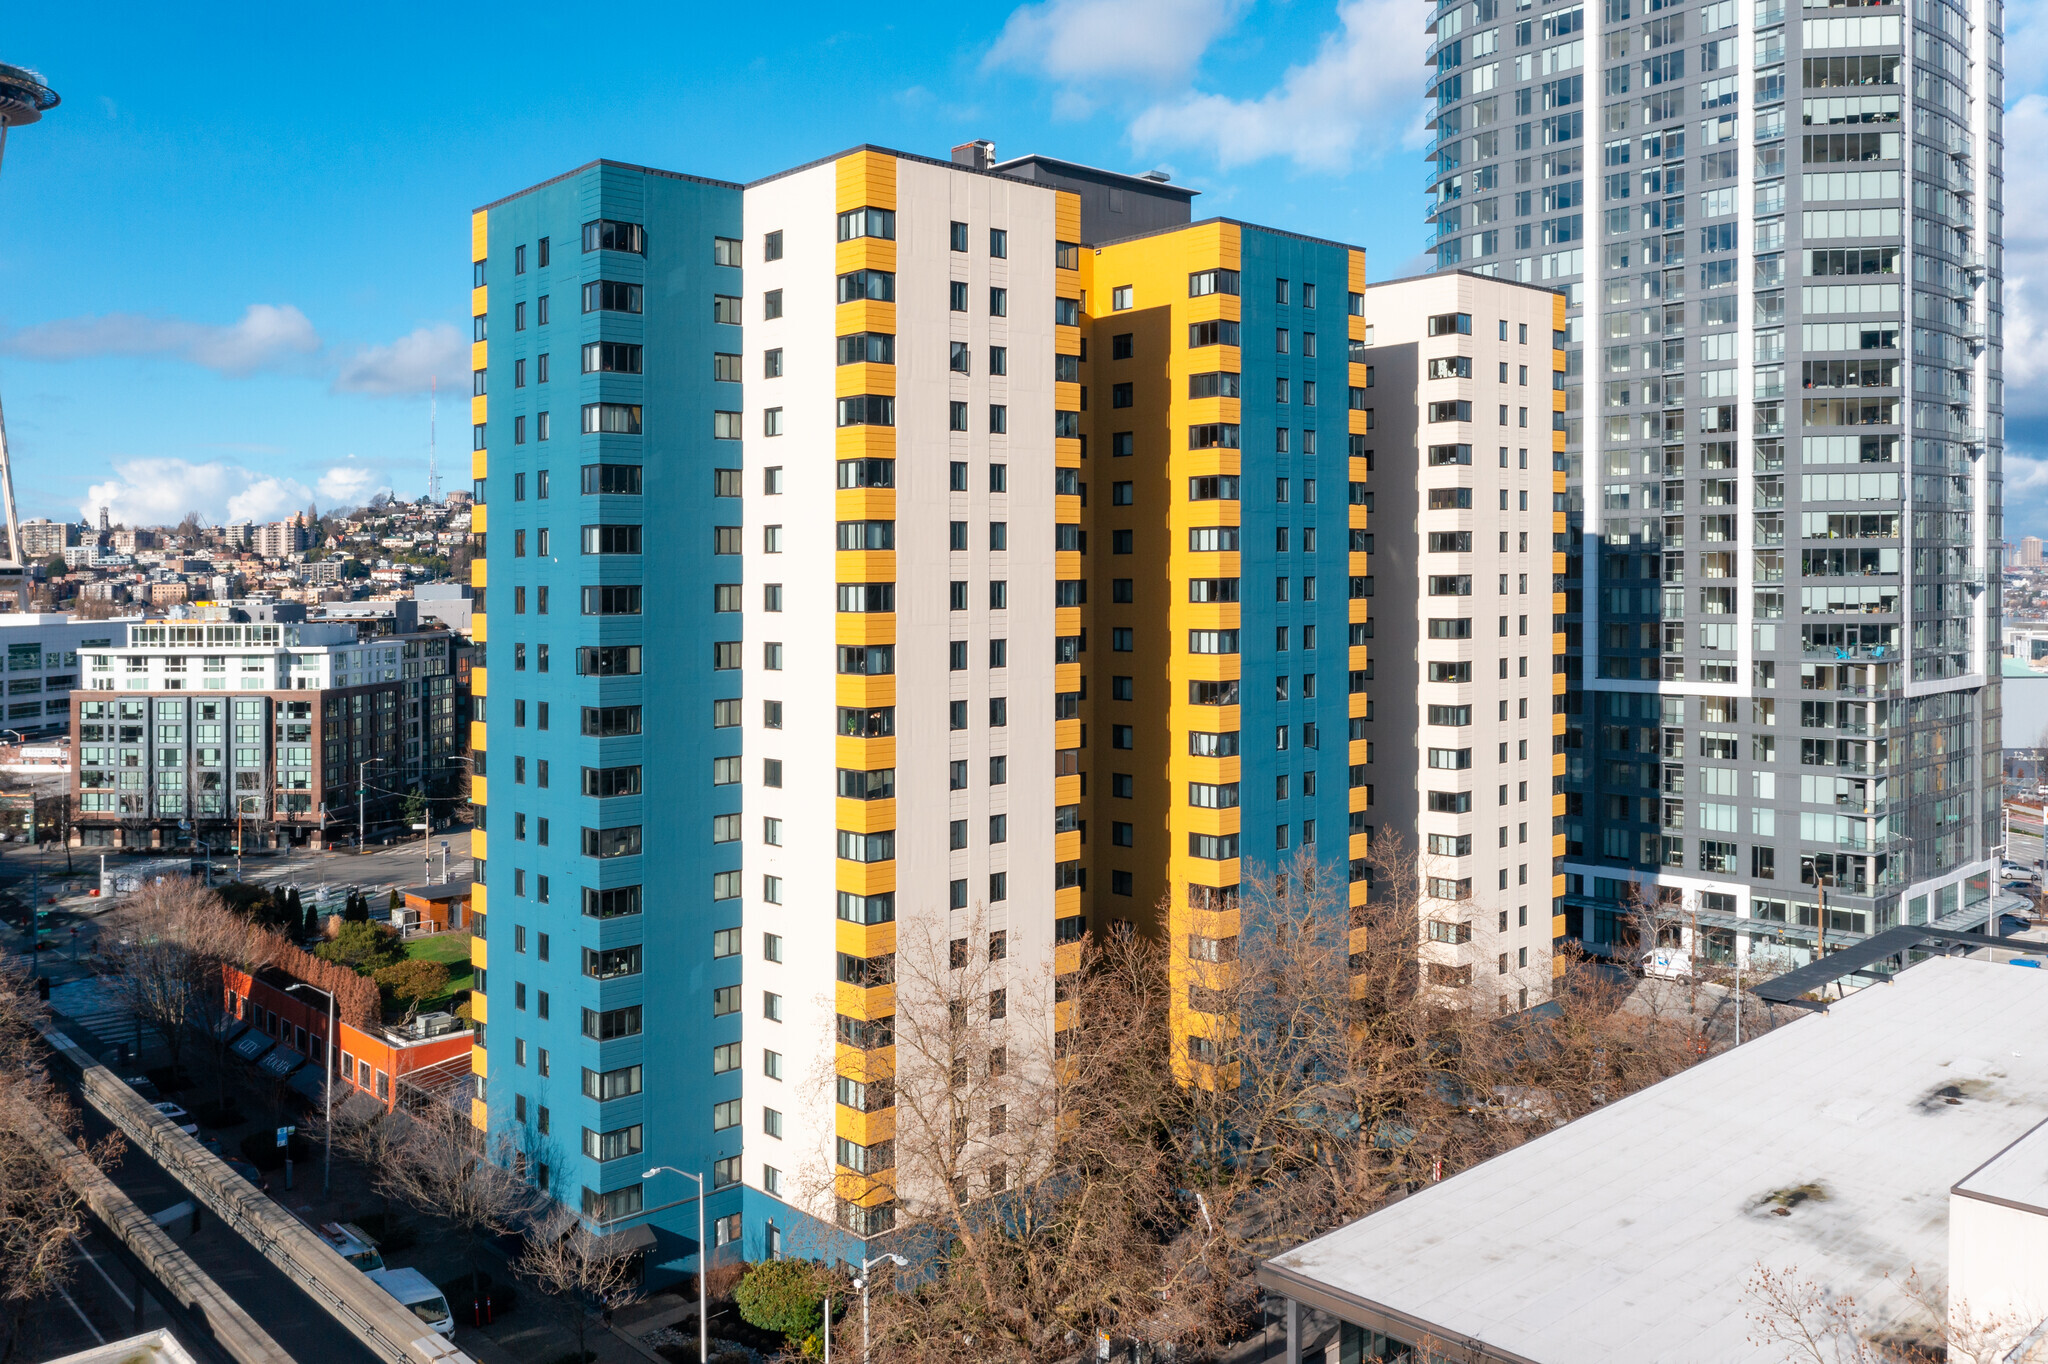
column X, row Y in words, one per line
column 231, row 259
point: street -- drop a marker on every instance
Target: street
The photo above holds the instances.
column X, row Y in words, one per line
column 72, row 922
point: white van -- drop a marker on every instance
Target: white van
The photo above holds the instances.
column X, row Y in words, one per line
column 417, row 1295
column 352, row 1243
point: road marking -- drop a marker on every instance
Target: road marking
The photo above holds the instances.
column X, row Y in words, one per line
column 81, row 1315
column 126, row 1301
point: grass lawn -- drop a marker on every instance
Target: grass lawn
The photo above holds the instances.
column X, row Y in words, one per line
column 452, row 949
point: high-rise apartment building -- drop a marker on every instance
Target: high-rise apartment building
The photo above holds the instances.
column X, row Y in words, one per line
column 909, row 437
column 41, row 538
column 1778, row 234
column 2030, row 551
column 834, row 674
column 1227, row 650
column 1461, row 750
column 607, row 765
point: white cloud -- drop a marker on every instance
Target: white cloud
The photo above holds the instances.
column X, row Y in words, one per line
column 267, row 336
column 347, row 485
column 403, row 367
column 2024, row 475
column 157, row 491
column 2026, row 266
column 1081, row 42
column 1360, row 93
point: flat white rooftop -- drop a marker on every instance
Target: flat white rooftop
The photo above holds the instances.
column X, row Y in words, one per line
column 2016, row 1176
column 1632, row 1233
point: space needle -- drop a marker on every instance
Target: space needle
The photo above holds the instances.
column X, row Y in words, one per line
column 24, row 99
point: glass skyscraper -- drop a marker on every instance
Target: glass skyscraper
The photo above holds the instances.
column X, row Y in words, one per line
column 1778, row 234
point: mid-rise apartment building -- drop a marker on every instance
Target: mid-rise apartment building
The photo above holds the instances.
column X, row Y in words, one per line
column 1779, row 235
column 42, row 666
column 280, row 538
column 192, row 730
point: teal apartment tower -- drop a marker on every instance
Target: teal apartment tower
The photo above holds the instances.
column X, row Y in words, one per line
column 606, row 384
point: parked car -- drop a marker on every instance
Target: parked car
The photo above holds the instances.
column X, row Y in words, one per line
column 144, row 1086
column 177, row 1115
column 249, row 1172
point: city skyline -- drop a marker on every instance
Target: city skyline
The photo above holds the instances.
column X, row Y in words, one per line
column 244, row 380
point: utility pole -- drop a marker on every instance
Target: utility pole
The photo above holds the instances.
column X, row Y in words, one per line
column 362, row 787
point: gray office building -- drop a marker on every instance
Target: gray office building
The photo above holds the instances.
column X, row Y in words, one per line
column 1778, row 230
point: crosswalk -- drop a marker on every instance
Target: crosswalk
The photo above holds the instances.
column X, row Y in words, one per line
column 89, row 1005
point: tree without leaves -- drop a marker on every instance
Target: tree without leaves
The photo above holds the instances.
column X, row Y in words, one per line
column 578, row 1269
column 1037, row 1168
column 374, row 1142
column 172, row 941
column 1801, row 1322
column 39, row 1213
column 440, row 1166
column 1336, row 1076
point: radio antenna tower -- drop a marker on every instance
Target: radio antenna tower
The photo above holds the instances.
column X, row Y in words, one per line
column 433, row 411
column 24, row 99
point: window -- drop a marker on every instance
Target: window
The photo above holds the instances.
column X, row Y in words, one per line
column 998, row 302
column 611, row 904
column 870, row 348
column 878, row 285
column 957, row 236
column 617, row 419
column 867, row 222
column 606, row 235
column 616, row 479
column 611, row 1023
column 621, row 842
column 609, row 1207
column 771, row 245
column 611, row 296
column 609, row 539
column 1120, row 298
column 1212, row 282
column 611, row 601
column 867, row 409
column 604, row 1085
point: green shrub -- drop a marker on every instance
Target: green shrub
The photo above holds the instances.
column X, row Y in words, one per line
column 362, row 947
column 784, row 1296
column 413, row 979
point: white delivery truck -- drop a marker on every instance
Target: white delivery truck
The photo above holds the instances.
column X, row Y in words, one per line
column 417, row 1295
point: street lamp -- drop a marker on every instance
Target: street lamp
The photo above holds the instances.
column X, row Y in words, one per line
column 703, row 1263
column 326, row 1087
column 862, row 1284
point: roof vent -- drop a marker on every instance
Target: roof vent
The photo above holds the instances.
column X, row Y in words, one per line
column 1157, row 176
column 979, row 154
